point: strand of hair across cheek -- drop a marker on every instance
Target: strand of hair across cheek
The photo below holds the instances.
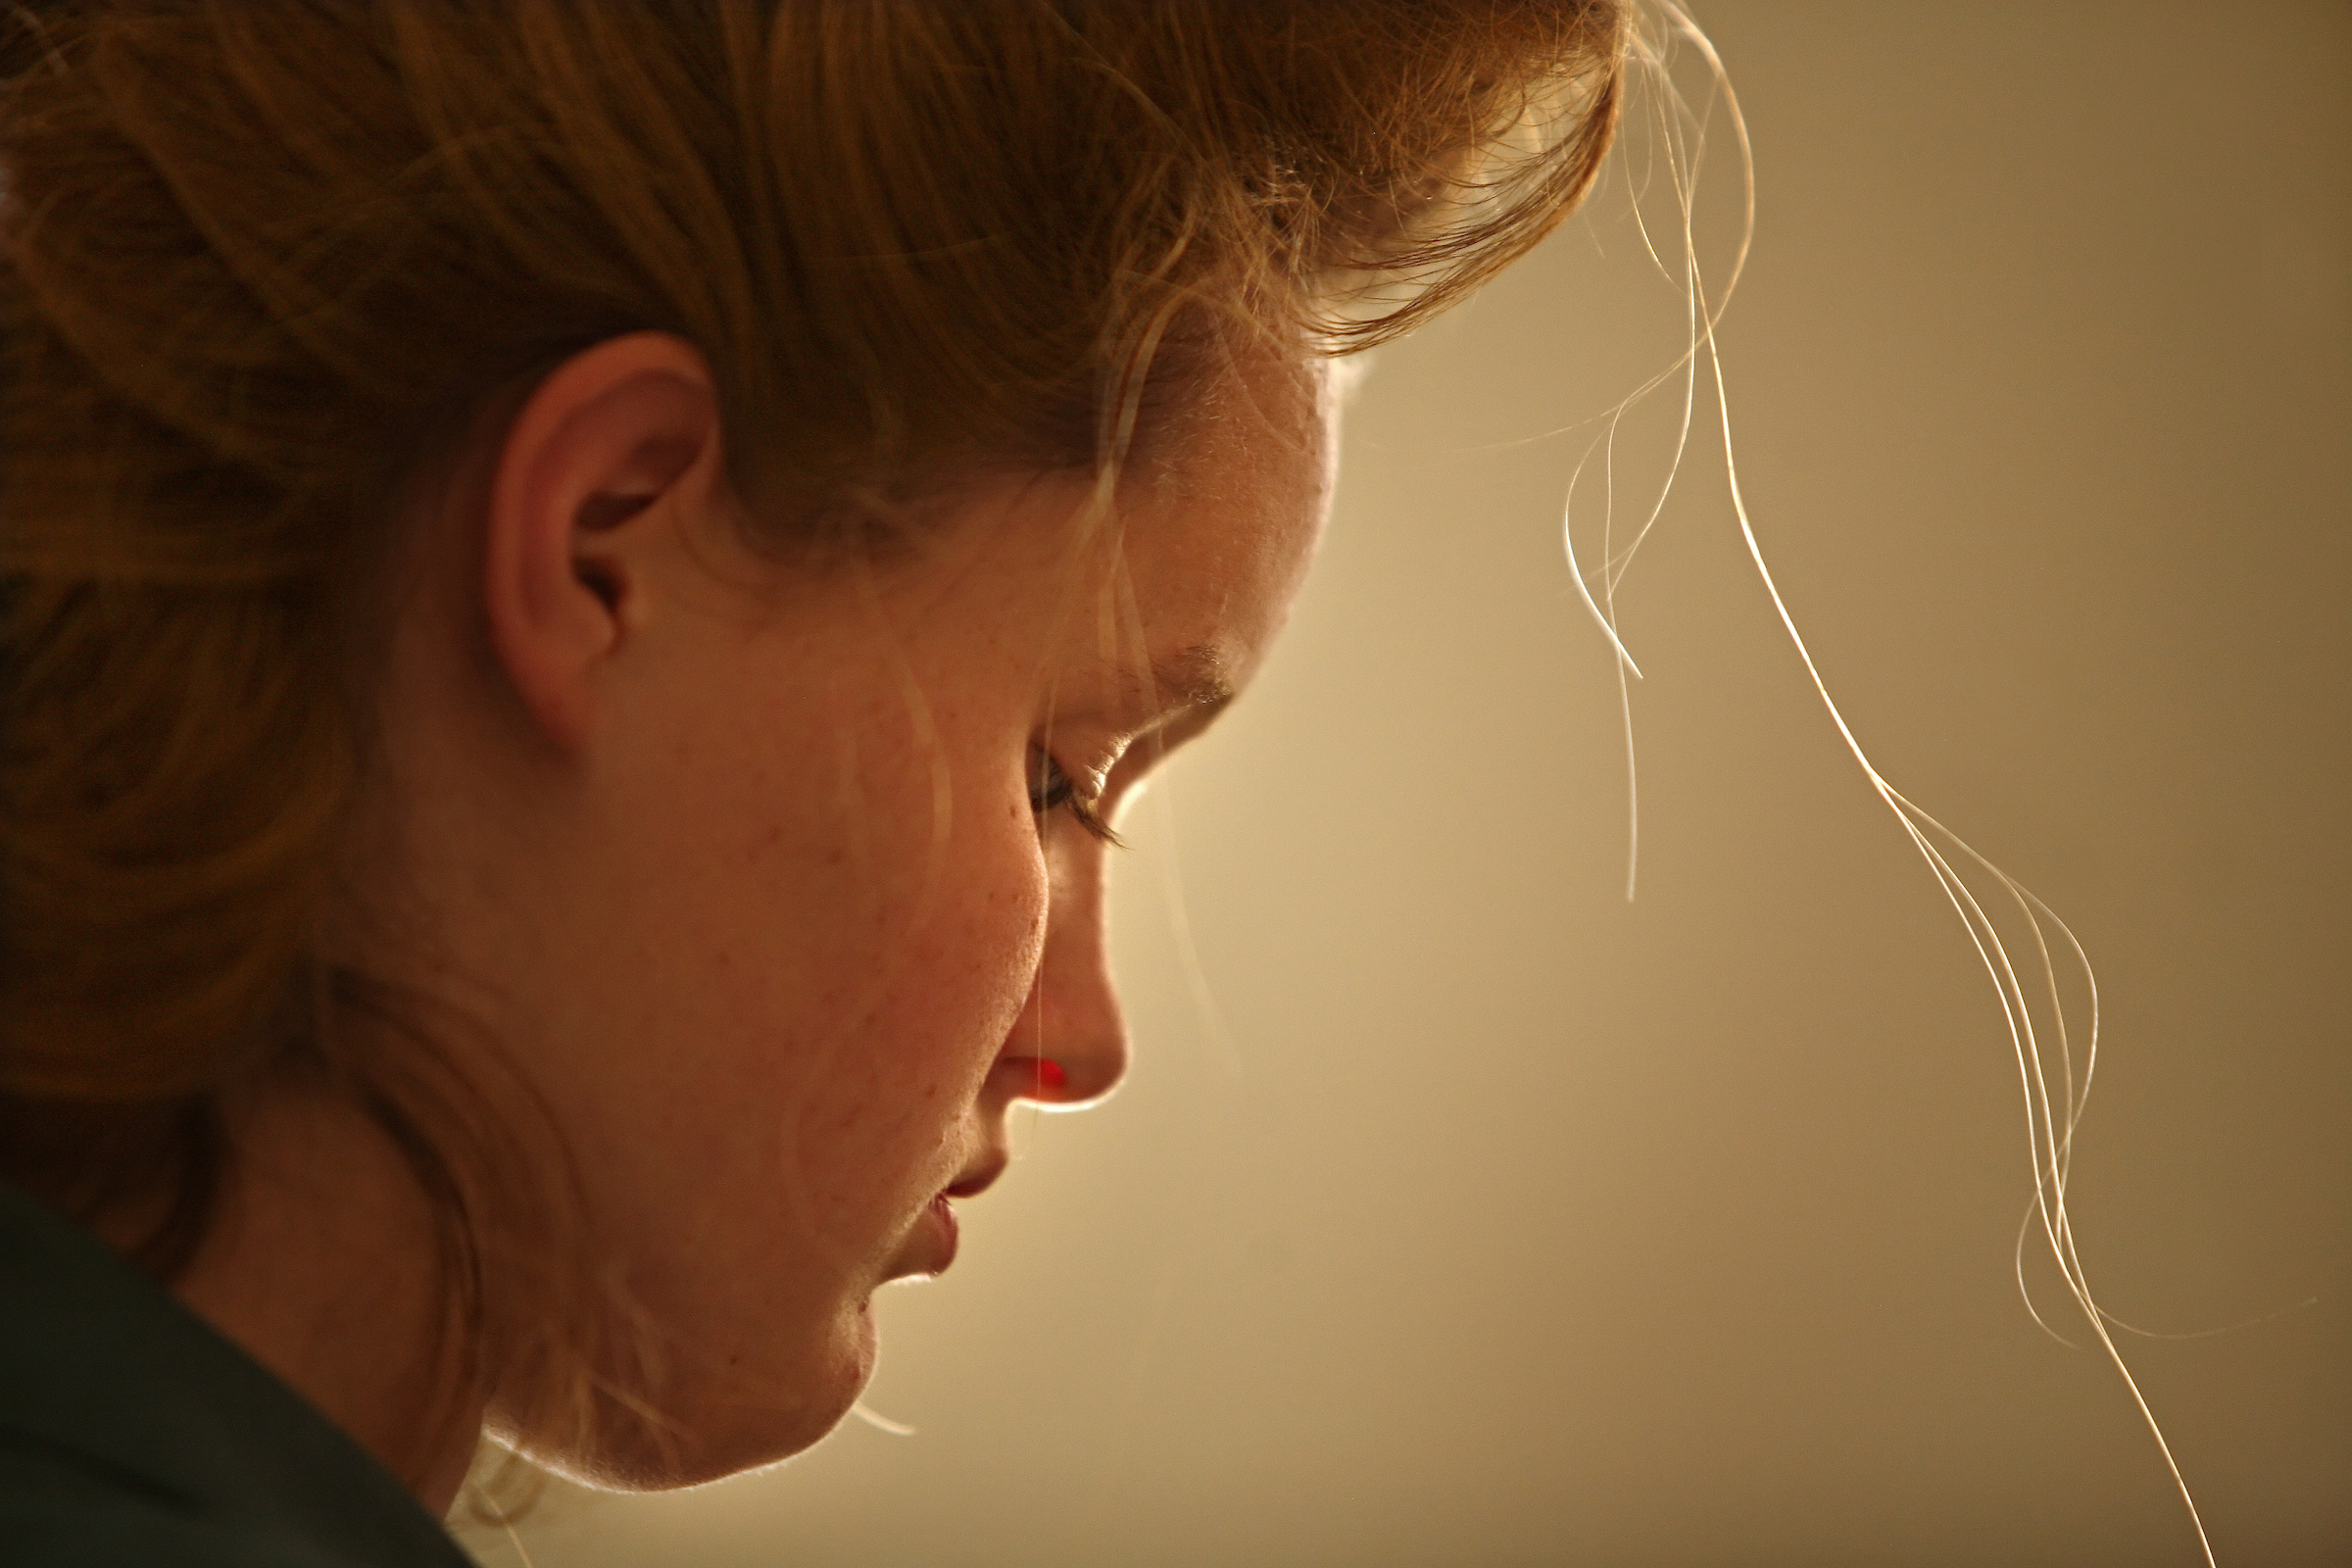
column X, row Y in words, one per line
column 2053, row 1092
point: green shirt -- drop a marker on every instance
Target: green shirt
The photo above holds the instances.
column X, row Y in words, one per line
column 134, row 1436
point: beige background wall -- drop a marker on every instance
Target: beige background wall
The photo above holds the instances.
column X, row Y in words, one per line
column 1516, row 1224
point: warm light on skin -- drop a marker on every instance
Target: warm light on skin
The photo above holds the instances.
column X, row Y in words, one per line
column 736, row 861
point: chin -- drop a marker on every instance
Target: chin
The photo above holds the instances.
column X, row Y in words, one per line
column 715, row 1429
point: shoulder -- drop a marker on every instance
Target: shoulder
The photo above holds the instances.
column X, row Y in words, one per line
column 64, row 1510
column 134, row 1434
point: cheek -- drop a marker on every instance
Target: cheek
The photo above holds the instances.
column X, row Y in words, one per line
column 960, row 958
column 928, row 993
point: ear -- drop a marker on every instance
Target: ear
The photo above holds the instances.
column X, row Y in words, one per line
column 620, row 443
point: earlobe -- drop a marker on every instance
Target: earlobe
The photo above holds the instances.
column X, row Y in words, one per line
column 616, row 445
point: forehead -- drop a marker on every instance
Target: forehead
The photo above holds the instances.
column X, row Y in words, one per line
column 1167, row 598
column 1217, row 536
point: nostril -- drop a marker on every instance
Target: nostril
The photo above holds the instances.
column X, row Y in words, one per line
column 1039, row 1078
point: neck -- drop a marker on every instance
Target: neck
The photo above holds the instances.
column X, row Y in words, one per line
column 324, row 1264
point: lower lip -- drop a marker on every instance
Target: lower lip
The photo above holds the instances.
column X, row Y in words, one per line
column 941, row 1231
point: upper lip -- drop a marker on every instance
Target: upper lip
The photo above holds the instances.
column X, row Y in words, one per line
column 981, row 1176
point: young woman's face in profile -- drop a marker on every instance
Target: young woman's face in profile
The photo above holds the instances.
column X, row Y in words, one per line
column 809, row 940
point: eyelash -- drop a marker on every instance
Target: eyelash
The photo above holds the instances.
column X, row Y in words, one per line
column 1050, row 788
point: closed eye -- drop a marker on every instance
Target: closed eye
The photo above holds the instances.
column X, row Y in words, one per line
column 1052, row 789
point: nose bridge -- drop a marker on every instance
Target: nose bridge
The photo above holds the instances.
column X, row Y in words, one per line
column 1083, row 1028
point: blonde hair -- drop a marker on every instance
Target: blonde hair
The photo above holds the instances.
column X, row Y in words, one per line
column 261, row 259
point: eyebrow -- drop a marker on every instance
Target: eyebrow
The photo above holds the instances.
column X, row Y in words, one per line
column 1193, row 677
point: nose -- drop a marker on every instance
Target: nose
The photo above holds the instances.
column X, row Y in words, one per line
column 1070, row 1046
